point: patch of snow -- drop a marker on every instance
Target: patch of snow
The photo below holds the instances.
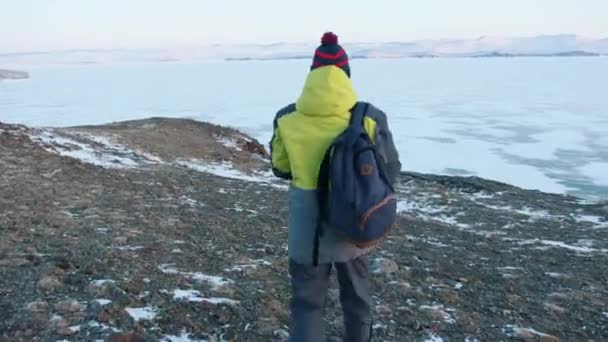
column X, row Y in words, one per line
column 102, row 326
column 596, row 220
column 194, row 296
column 489, row 234
column 581, row 249
column 238, row 209
column 214, row 281
column 222, row 191
column 56, row 318
column 449, row 220
column 229, row 142
column 103, row 302
column 509, row 268
column 250, row 264
column 177, row 251
column 533, row 214
column 75, row 328
column 142, row 314
column 227, row 170
column 130, row 248
column 119, row 148
column 282, row 334
column 481, row 195
column 179, row 242
column 605, row 314
column 143, row 294
column 433, row 338
column 183, row 337
column 446, row 314
column 458, row 286
column 219, row 301
column 428, row 240
column 102, row 230
column 190, row 201
column 101, row 282
column 86, row 153
column 404, row 206
column 428, row 213
column 556, row 275
column 513, row 330
column 583, row 246
column 189, row 295
column 241, row 268
column 378, row 326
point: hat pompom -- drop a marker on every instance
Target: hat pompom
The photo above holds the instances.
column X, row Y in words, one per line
column 329, row 38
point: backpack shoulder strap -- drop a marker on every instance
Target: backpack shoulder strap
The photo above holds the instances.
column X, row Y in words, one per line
column 358, row 113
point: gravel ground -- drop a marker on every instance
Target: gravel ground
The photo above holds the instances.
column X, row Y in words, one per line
column 106, row 233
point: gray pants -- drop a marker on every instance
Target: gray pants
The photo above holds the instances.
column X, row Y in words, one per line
column 309, row 286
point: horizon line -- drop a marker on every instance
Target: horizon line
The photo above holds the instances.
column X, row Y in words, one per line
column 215, row 44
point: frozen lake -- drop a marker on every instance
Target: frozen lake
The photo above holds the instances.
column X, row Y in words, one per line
column 538, row 123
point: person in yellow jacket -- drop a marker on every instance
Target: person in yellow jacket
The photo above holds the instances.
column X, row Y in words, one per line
column 302, row 134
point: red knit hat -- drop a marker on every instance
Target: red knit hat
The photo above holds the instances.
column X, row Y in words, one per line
column 330, row 53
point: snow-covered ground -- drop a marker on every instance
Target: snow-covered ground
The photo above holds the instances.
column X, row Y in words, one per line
column 538, row 123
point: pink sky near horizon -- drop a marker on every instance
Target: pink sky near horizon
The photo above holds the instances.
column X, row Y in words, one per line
column 74, row 24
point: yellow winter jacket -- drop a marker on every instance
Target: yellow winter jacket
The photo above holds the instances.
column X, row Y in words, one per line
column 302, row 134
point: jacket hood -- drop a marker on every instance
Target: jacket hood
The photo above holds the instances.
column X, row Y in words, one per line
column 327, row 91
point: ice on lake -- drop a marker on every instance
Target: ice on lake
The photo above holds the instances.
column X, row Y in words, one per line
column 538, row 123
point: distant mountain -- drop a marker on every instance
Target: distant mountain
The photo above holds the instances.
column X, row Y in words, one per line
column 485, row 46
column 13, row 74
column 557, row 45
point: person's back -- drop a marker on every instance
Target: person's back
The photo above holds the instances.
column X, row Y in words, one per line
column 302, row 134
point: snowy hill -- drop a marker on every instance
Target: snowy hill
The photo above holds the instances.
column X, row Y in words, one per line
column 485, row 46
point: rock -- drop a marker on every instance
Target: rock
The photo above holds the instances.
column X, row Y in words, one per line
column 555, row 308
column 120, row 240
column 276, row 308
column 69, row 306
column 109, row 289
column 76, row 279
column 224, row 291
column 449, row 296
column 122, row 299
column 530, row 336
column 49, row 283
column 526, row 335
column 383, row 309
column 384, row 266
column 65, row 331
column 253, row 146
column 63, row 263
column 13, row 74
column 15, row 262
column 61, row 323
column 37, row 306
column 549, row 338
column 125, row 337
column 267, row 326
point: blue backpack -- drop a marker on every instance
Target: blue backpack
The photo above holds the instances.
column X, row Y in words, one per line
column 355, row 196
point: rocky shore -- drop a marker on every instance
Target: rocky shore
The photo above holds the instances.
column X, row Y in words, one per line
column 175, row 230
column 13, row 74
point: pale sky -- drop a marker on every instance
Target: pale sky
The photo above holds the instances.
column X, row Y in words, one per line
column 29, row 25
